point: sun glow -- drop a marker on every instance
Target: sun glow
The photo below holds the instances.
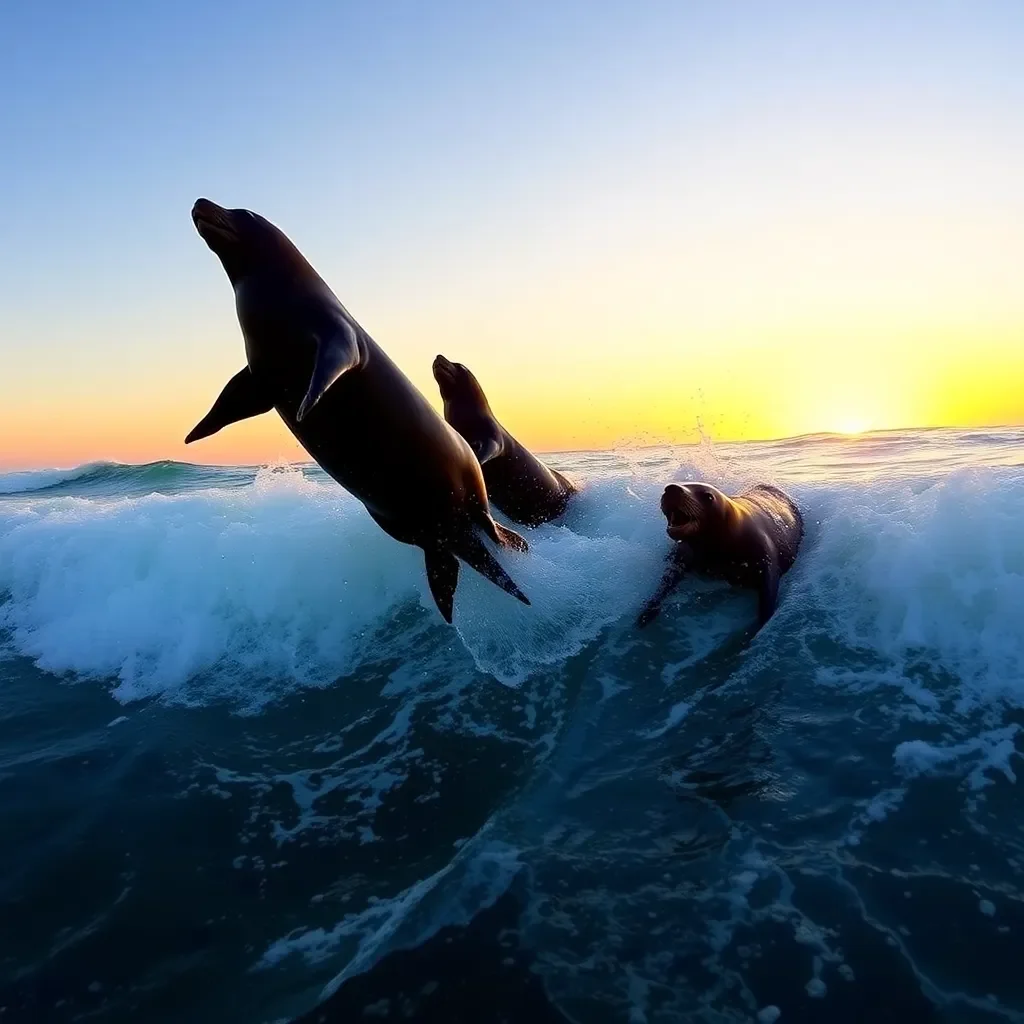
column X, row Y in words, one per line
column 853, row 425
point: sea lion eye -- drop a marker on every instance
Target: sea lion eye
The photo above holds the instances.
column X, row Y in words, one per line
column 708, row 497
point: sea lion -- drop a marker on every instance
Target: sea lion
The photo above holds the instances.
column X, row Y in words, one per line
column 518, row 483
column 348, row 405
column 749, row 540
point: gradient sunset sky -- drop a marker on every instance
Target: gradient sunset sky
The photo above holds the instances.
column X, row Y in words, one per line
column 771, row 218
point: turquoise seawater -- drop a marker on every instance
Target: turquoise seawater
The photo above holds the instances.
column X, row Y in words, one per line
column 243, row 760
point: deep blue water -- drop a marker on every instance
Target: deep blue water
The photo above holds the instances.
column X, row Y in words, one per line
column 244, row 765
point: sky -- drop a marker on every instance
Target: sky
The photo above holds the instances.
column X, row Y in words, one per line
column 631, row 220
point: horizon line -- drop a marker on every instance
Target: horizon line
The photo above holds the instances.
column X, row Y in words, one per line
column 309, row 461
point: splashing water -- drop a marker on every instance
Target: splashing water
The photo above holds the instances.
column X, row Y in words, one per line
column 233, row 722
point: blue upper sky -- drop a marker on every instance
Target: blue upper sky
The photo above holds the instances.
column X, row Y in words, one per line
column 447, row 156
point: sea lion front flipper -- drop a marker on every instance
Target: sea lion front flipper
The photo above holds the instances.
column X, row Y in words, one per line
column 674, row 573
column 476, row 555
column 486, row 448
column 336, row 351
column 443, row 577
column 767, row 594
column 241, row 399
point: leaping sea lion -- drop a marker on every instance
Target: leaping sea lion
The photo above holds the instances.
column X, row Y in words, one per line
column 749, row 540
column 518, row 483
column 349, row 405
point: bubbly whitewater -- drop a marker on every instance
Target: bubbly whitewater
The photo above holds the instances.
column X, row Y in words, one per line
column 242, row 758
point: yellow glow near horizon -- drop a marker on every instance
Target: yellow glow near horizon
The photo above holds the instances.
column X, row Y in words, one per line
column 754, row 327
column 807, row 219
column 657, row 392
column 852, row 425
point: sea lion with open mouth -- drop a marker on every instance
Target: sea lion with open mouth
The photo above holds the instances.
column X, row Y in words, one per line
column 749, row 540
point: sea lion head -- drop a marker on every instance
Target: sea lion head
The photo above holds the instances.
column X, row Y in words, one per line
column 244, row 241
column 458, row 385
column 693, row 508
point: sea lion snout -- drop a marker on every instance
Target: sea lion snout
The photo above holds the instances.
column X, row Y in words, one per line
column 673, row 499
column 447, row 375
column 209, row 218
column 750, row 540
column 376, row 425
column 205, row 210
column 681, row 510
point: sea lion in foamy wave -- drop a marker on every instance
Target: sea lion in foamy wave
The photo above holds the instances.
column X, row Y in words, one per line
column 518, row 483
column 749, row 540
column 349, row 405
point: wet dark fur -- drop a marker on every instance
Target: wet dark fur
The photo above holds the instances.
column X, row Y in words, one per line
column 751, row 540
column 349, row 405
column 518, row 483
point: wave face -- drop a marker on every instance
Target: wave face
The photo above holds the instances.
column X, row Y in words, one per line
column 695, row 825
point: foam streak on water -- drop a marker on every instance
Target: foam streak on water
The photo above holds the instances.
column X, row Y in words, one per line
column 697, row 825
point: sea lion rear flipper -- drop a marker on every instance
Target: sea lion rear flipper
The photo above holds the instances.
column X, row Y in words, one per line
column 674, row 573
column 501, row 535
column 336, row 352
column 476, row 555
column 443, row 577
column 241, row 399
column 509, row 538
column 767, row 594
column 570, row 487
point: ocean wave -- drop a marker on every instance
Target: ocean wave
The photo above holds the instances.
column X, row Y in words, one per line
column 287, row 578
column 114, row 479
column 679, row 788
column 30, row 480
column 929, row 576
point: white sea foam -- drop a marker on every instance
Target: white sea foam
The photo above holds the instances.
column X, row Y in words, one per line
column 928, row 578
column 903, row 608
column 675, row 715
column 288, row 578
column 992, row 750
column 195, row 593
column 281, row 579
column 474, row 878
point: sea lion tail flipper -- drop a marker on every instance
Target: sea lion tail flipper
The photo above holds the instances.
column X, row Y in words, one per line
column 768, row 594
column 241, row 399
column 476, row 555
column 650, row 612
column 570, row 487
column 336, row 352
column 510, row 539
column 502, row 535
column 443, row 577
column 674, row 573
